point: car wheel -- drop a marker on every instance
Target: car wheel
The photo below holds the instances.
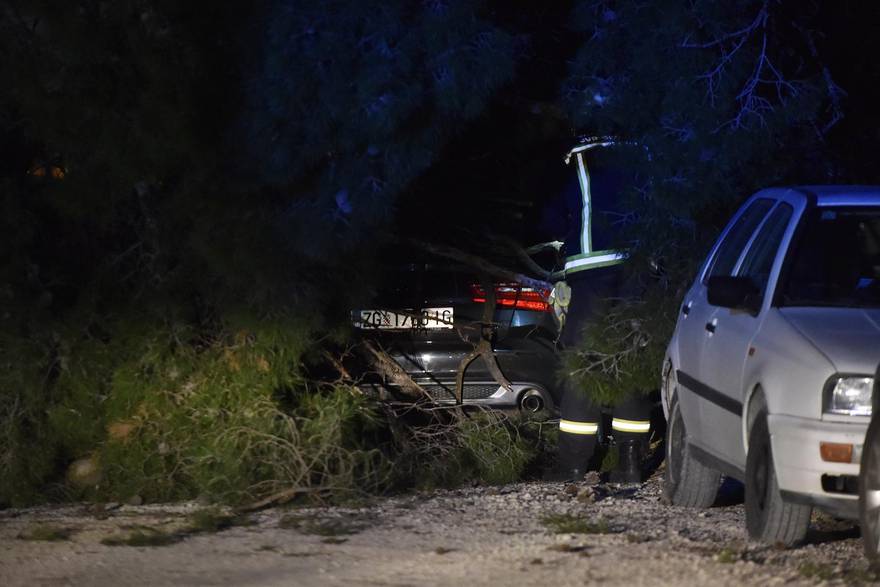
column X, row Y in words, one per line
column 869, row 492
column 687, row 482
column 769, row 518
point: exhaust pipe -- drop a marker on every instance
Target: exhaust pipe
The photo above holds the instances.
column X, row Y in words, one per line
column 531, row 401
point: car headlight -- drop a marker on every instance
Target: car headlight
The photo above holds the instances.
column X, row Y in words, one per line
column 849, row 395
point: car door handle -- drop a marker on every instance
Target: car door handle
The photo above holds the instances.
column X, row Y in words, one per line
column 710, row 327
column 686, row 309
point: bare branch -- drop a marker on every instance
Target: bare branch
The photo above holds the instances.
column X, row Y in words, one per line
column 481, row 264
column 752, row 104
column 394, row 373
column 344, row 375
column 484, row 347
column 280, row 498
column 836, row 94
column 623, row 334
column 523, row 256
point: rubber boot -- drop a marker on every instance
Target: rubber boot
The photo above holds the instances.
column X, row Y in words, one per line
column 578, row 435
column 629, row 463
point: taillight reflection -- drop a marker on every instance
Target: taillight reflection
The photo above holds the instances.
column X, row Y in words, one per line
column 514, row 295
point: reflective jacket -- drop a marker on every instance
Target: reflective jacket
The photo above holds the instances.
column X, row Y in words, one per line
column 592, row 211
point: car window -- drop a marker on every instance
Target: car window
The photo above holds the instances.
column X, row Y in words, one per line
column 837, row 260
column 731, row 247
column 762, row 252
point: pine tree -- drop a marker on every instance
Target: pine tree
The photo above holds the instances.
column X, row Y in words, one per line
column 723, row 99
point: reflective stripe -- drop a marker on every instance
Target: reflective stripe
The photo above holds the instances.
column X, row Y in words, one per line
column 630, row 425
column 588, row 143
column 578, row 427
column 586, row 207
column 594, row 261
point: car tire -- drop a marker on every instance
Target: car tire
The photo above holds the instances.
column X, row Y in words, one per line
column 769, row 518
column 869, row 492
column 687, row 482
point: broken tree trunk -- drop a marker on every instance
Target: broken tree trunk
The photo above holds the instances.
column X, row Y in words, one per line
column 394, row 373
column 484, row 347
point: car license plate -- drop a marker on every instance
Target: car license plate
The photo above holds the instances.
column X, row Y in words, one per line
column 426, row 318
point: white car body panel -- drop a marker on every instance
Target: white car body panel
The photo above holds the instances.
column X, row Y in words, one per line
column 789, row 353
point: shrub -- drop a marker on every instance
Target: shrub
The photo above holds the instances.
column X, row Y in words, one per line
column 449, row 447
column 169, row 411
column 168, row 414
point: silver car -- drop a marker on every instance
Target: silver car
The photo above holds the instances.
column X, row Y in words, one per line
column 769, row 373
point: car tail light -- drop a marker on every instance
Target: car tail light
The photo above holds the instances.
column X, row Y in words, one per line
column 514, row 295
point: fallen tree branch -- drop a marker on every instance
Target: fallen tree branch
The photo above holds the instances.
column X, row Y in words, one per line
column 484, row 347
column 524, row 258
column 394, row 373
column 481, row 264
column 344, row 375
column 279, row 498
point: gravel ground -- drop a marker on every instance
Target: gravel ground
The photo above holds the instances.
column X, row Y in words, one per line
column 524, row 534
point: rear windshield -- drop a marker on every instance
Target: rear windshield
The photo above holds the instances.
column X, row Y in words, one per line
column 837, row 260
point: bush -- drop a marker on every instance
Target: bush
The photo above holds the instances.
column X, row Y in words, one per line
column 167, row 415
column 168, row 411
column 450, row 447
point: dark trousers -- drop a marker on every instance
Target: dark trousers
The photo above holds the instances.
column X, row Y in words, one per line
column 581, row 418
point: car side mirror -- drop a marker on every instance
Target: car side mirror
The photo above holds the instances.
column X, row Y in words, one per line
column 735, row 292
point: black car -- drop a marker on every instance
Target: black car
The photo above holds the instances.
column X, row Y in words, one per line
column 428, row 317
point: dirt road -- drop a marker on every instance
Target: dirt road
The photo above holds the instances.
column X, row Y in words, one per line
column 523, row 534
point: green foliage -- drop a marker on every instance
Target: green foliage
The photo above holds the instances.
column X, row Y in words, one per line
column 728, row 555
column 166, row 413
column 218, row 429
column 455, row 448
column 168, row 419
column 23, row 391
column 570, row 524
column 621, row 352
column 211, row 520
column 145, row 537
column 491, row 452
column 47, row 533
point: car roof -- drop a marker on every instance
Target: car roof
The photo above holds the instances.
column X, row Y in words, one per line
column 836, row 195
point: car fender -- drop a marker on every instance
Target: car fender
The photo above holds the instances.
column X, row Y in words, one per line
column 788, row 367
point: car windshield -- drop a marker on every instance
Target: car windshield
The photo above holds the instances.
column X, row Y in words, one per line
column 837, row 260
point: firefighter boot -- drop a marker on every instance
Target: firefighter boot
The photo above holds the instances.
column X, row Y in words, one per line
column 629, row 462
column 578, row 431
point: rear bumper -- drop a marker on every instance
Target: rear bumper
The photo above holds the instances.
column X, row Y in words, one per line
column 485, row 393
column 800, row 469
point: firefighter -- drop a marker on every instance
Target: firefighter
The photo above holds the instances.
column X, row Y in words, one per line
column 592, row 274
